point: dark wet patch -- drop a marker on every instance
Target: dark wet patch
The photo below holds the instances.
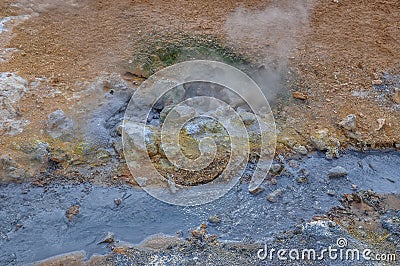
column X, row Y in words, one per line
column 34, row 225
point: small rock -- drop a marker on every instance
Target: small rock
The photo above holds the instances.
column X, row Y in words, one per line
column 304, row 172
column 72, row 212
column 215, row 219
column 298, row 229
column 320, row 139
column 349, row 122
column 117, row 202
column 299, row 95
column 354, row 187
column 337, row 171
column 293, row 164
column 248, row 118
column 302, row 179
column 397, row 145
column 396, row 96
column 377, row 82
column 141, row 181
column 381, row 123
column 171, row 185
column 300, row 149
column 109, row 238
column 199, row 232
column 273, row 196
column 119, row 129
column 272, row 181
column 276, row 168
column 331, row 193
column 256, row 190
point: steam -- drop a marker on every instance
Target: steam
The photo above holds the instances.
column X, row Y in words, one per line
column 272, row 34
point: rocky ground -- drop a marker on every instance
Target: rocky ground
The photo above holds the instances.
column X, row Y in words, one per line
column 330, row 70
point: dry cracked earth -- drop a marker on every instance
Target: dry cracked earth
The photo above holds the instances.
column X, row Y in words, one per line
column 330, row 70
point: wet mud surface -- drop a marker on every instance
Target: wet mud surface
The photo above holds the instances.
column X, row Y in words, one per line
column 34, row 225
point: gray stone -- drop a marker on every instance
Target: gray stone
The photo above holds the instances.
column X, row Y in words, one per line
column 396, row 96
column 256, row 190
column 108, row 238
column 215, row 219
column 323, row 142
column 248, row 118
column 165, row 112
column 276, row 168
column 331, row 193
column 349, row 123
column 12, row 89
column 141, row 181
column 41, row 152
column 300, row 149
column 9, row 169
column 337, row 171
column 171, row 185
column 273, row 196
column 319, row 140
column 118, row 201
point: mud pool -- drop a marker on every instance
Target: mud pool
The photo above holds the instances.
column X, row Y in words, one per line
column 33, row 225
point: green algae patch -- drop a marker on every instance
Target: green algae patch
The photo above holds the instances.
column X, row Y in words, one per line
column 166, row 52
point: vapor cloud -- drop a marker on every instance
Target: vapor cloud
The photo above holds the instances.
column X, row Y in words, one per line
column 271, row 33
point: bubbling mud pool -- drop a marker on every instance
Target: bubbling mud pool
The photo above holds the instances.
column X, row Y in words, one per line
column 33, row 224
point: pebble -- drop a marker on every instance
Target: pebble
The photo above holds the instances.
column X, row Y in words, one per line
column 276, row 168
column 337, row 171
column 293, row 164
column 108, row 238
column 119, row 129
column 272, row 181
column 215, row 219
column 300, row 149
column 117, row 202
column 320, row 139
column 256, row 190
column 377, row 82
column 331, row 193
column 273, row 196
column 381, row 123
column 141, row 181
column 299, row 95
column 171, row 185
column 72, row 212
column 396, row 96
column 349, row 122
column 302, row 179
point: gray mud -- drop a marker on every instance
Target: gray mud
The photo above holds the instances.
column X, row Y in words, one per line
column 33, row 225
